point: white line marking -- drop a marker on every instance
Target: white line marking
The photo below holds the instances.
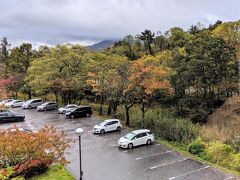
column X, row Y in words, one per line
column 125, row 151
column 114, row 145
column 189, row 172
column 165, row 164
column 229, row 178
column 90, row 131
column 30, row 126
column 153, row 155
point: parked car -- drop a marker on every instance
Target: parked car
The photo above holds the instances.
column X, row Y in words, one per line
column 64, row 109
column 47, row 106
column 4, row 110
column 107, row 125
column 32, row 103
column 17, row 103
column 6, row 117
column 14, row 103
column 136, row 138
column 4, row 102
column 21, row 129
column 80, row 111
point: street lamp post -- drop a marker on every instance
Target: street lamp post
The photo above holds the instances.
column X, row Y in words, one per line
column 79, row 132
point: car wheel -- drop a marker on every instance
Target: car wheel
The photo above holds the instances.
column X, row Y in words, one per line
column 63, row 112
column 130, row 146
column 87, row 115
column 149, row 142
column 72, row 116
column 29, row 107
column 118, row 128
column 102, row 131
column 45, row 109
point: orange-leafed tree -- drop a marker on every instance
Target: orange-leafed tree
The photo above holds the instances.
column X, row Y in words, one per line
column 25, row 150
column 106, row 76
column 148, row 76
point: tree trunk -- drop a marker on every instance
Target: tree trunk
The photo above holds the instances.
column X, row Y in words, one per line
column 127, row 116
column 30, row 95
column 143, row 113
column 109, row 108
column 56, row 96
column 101, row 106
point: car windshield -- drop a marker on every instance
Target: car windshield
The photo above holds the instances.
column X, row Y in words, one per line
column 129, row 135
column 102, row 123
column 70, row 106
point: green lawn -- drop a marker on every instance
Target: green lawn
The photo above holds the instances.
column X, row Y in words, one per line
column 55, row 172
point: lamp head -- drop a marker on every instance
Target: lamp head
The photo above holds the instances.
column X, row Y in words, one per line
column 79, row 131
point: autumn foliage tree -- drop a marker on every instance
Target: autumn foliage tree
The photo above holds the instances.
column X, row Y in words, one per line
column 105, row 77
column 147, row 76
column 20, row 149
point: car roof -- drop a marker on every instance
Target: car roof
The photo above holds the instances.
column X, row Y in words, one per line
column 81, row 106
column 140, row 131
column 109, row 120
column 34, row 99
column 71, row 105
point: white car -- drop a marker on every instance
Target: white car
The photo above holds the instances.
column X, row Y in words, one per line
column 4, row 102
column 64, row 109
column 32, row 103
column 136, row 138
column 107, row 125
column 14, row 103
column 17, row 103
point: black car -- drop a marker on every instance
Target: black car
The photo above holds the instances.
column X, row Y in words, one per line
column 81, row 111
column 4, row 110
column 6, row 117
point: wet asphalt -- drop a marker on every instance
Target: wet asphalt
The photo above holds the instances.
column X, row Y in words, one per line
column 103, row 160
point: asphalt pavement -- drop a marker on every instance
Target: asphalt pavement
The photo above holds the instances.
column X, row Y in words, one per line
column 103, row 160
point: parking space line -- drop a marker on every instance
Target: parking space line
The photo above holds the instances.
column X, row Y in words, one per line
column 229, row 178
column 114, row 145
column 139, row 158
column 166, row 164
column 30, row 126
column 125, row 151
column 189, row 172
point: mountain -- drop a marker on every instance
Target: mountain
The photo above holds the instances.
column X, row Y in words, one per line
column 102, row 45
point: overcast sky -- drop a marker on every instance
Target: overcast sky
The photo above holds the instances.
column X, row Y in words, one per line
column 88, row 21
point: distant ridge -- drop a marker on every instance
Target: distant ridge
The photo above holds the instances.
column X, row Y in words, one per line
column 102, row 45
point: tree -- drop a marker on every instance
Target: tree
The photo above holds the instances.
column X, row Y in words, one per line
column 21, row 149
column 105, row 78
column 148, row 38
column 4, row 53
column 62, row 71
column 206, row 72
column 147, row 76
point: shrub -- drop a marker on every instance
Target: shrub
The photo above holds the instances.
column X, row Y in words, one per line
column 236, row 162
column 219, row 153
column 21, row 150
column 163, row 124
column 197, row 147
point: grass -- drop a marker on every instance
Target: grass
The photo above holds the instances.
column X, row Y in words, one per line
column 55, row 172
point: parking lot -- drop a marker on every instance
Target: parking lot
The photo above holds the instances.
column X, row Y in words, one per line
column 103, row 160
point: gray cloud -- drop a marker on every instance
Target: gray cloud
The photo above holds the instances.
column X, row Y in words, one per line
column 88, row 21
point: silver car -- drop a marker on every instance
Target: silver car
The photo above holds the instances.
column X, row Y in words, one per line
column 47, row 106
column 32, row 103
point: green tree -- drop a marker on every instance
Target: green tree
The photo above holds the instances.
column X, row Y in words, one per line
column 148, row 38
